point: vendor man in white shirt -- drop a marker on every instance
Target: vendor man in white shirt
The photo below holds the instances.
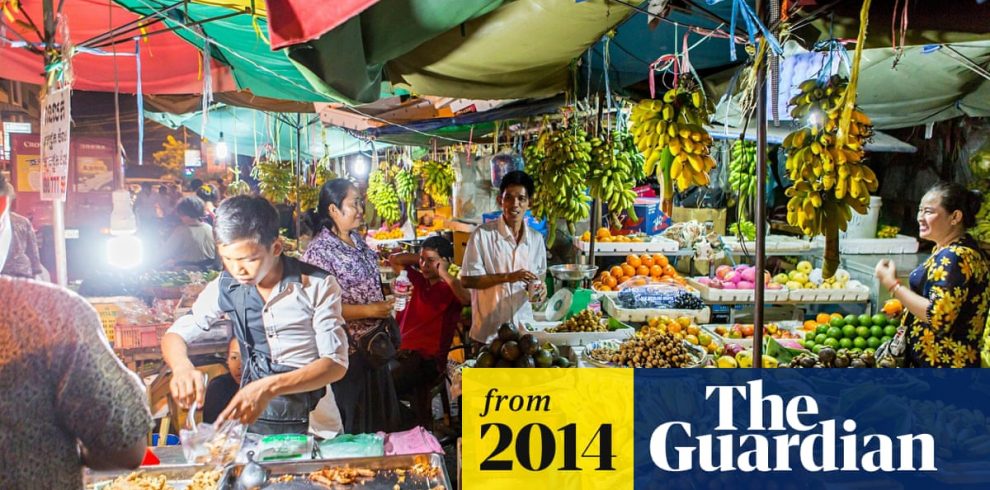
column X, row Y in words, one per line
column 287, row 320
column 501, row 260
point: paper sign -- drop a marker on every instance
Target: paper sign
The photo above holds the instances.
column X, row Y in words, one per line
column 55, row 145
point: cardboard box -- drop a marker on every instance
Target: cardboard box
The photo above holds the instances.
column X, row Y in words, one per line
column 652, row 221
column 702, row 215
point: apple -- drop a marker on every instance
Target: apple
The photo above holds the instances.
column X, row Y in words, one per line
column 805, row 267
column 766, row 277
column 704, row 280
column 722, row 270
column 745, row 359
column 774, row 286
column 729, row 275
column 732, row 349
column 794, row 285
column 745, row 285
column 717, row 284
column 727, row 362
column 798, row 276
column 781, row 279
column 729, row 285
column 749, row 275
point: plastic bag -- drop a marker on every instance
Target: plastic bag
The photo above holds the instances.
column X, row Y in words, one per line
column 285, row 447
column 209, row 444
column 353, row 446
column 662, row 296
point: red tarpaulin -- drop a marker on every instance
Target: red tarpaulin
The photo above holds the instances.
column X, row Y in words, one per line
column 169, row 65
column 297, row 21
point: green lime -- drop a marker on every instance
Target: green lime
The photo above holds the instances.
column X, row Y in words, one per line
column 876, row 331
column 862, row 332
column 851, row 320
column 889, row 331
column 873, row 342
column 820, row 338
column 817, row 348
column 846, row 343
column 833, row 343
column 860, row 343
column 885, row 339
column 865, row 320
column 822, row 328
column 836, row 322
column 834, row 333
column 879, row 319
column 894, row 322
column 809, row 344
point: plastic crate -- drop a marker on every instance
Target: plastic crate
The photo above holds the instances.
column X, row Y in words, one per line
column 109, row 308
column 133, row 336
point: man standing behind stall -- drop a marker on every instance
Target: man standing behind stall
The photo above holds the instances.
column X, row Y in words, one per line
column 501, row 260
column 287, row 320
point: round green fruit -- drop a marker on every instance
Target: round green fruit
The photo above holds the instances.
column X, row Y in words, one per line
column 846, row 343
column 865, row 320
column 889, row 331
column 851, row 320
column 820, row 338
column 834, row 333
column 833, row 343
column 860, row 343
column 837, row 323
column 879, row 319
column 876, row 331
column 873, row 342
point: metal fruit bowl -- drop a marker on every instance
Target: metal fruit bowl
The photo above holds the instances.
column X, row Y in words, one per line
column 573, row 272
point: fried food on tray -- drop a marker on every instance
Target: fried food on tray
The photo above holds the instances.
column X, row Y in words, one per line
column 138, row 480
column 205, row 480
column 341, row 476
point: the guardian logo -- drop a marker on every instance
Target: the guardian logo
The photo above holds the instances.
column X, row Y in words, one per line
column 799, row 433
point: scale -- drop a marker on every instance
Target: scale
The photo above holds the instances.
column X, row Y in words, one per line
column 570, row 294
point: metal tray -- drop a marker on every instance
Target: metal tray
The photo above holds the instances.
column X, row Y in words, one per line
column 385, row 478
column 178, row 476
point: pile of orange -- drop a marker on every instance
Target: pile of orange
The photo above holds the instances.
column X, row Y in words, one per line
column 604, row 235
column 641, row 269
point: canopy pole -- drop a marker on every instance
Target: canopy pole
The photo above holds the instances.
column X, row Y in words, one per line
column 761, row 202
column 58, row 205
column 299, row 160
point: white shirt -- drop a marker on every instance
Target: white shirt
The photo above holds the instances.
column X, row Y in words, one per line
column 304, row 323
column 492, row 249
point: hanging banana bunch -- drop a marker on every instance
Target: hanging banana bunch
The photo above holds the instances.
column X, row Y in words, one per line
column 274, row 179
column 406, row 186
column 534, row 156
column 382, row 193
column 438, row 179
column 830, row 179
column 742, row 169
column 562, row 170
column 612, row 176
column 675, row 124
column 308, row 194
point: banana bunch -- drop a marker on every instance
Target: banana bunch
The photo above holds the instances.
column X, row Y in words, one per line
column 406, row 185
column 888, row 231
column 675, row 123
column 981, row 231
column 274, row 179
column 438, row 179
column 743, row 228
column 830, row 180
column 742, row 169
column 626, row 143
column 237, row 188
column 308, row 195
column 382, row 194
column 612, row 176
column 559, row 165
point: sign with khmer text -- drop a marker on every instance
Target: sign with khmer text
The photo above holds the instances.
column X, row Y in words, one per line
column 55, row 145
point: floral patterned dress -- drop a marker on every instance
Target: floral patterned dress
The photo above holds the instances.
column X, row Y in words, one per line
column 956, row 280
column 365, row 396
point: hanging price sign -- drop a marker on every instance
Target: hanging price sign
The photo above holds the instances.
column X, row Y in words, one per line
column 55, row 145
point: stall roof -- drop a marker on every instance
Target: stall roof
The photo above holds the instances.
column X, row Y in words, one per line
column 881, row 142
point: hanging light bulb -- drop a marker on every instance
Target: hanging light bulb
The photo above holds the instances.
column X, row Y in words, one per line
column 360, row 165
column 221, row 148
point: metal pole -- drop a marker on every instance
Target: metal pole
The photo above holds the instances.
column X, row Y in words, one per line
column 58, row 205
column 761, row 203
column 299, row 159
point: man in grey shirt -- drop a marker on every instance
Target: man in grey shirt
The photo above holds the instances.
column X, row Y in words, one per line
column 191, row 243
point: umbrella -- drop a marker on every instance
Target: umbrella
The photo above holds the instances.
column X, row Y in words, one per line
column 169, row 65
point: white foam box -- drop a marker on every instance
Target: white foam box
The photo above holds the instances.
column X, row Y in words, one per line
column 738, row 296
column 642, row 315
column 655, row 245
column 538, row 329
column 855, row 292
column 875, row 246
column 774, row 244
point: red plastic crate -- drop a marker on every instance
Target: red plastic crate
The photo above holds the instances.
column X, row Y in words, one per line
column 132, row 336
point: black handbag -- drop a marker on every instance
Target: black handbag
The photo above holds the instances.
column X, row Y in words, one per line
column 380, row 345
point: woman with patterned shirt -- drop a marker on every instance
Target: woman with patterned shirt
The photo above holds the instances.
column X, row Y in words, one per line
column 23, row 259
column 366, row 396
column 950, row 293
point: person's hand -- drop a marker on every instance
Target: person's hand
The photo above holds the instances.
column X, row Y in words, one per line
column 886, row 273
column 541, row 294
column 186, row 387
column 248, row 404
column 381, row 309
column 443, row 268
column 522, row 275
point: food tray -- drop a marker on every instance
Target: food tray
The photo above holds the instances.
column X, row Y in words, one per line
column 699, row 354
column 385, row 478
column 178, row 476
column 773, row 244
column 792, row 326
column 715, row 295
column 655, row 245
column 642, row 315
column 854, row 292
column 574, row 338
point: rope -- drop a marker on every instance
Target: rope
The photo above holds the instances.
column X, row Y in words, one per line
column 140, row 101
column 774, row 70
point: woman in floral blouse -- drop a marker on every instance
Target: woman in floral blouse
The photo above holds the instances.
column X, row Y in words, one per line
column 950, row 293
column 366, row 396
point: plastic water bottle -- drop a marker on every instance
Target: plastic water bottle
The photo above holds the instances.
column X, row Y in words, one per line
column 402, row 289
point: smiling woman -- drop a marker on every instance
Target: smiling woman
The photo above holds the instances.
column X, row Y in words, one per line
column 950, row 293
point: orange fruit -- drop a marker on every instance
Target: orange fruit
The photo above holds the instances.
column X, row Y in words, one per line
column 586, row 236
column 633, row 260
column 628, row 270
column 669, row 270
column 602, row 233
column 615, row 271
column 661, row 260
column 656, row 271
column 604, row 288
column 604, row 275
column 647, row 260
column 639, row 282
column 642, row 270
column 611, row 282
column 596, row 285
column 823, row 318
column 674, row 328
